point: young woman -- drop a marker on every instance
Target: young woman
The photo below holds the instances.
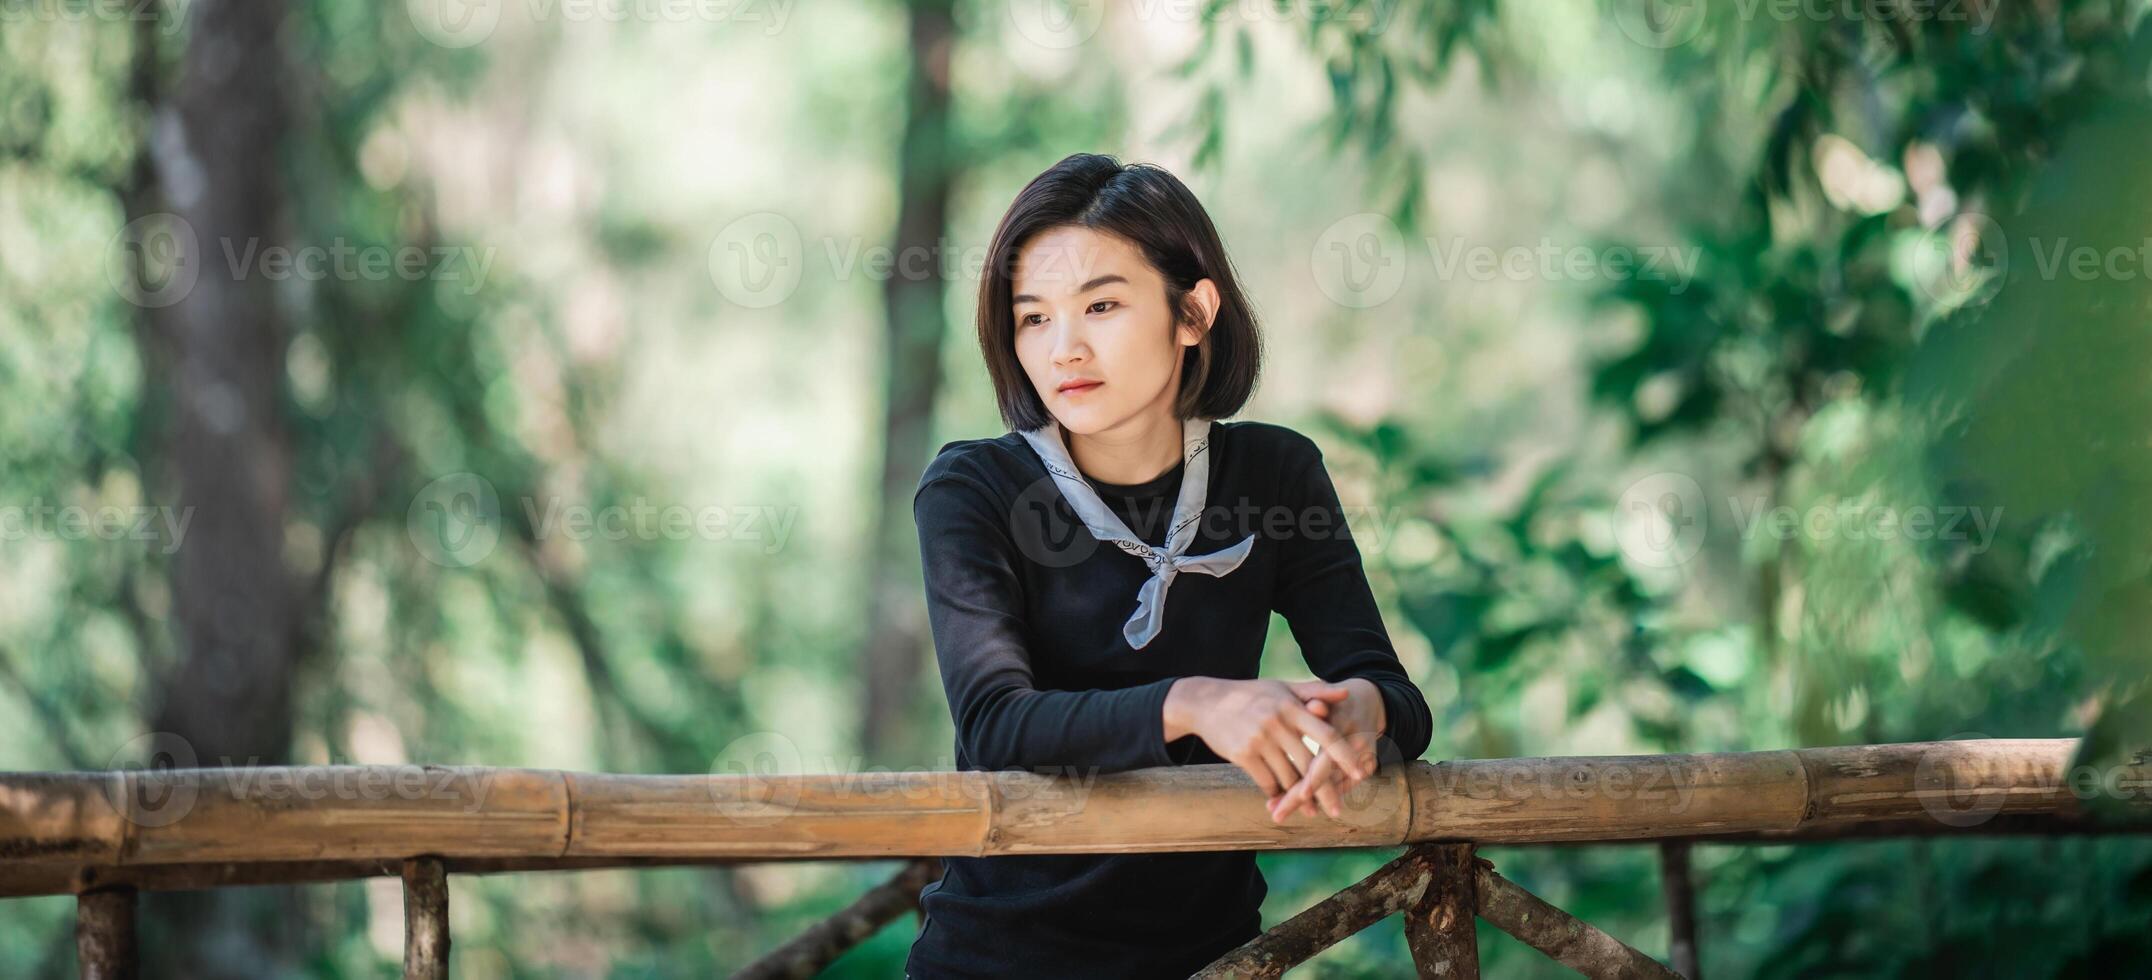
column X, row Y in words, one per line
column 1100, row 579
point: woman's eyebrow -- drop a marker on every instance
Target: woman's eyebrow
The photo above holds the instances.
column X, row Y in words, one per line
column 1087, row 287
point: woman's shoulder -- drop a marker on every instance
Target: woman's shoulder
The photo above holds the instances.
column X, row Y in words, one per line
column 991, row 464
column 1286, row 445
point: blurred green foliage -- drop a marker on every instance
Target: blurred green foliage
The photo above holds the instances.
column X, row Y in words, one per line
column 1871, row 197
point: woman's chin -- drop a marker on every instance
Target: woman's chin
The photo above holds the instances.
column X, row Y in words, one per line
column 1079, row 419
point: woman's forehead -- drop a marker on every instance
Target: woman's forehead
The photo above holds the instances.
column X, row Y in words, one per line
column 1071, row 260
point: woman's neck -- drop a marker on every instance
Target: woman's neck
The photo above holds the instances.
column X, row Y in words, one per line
column 1139, row 450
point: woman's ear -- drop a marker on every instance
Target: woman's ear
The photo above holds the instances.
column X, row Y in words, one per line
column 1202, row 305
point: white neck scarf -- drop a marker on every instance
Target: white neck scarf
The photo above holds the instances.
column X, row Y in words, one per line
column 1049, row 442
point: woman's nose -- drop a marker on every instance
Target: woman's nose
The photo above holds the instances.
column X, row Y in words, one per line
column 1069, row 343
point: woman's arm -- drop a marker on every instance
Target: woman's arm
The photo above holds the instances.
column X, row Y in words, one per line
column 1324, row 595
column 975, row 606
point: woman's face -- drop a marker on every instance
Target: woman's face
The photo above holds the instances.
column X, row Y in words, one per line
column 1091, row 312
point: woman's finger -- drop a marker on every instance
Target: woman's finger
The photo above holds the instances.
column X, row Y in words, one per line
column 1327, row 795
column 1367, row 756
column 1281, row 811
column 1298, row 751
column 1297, row 797
column 1281, row 768
column 1283, row 807
column 1332, row 743
column 1319, row 689
column 1258, row 769
column 1297, row 716
column 1304, row 720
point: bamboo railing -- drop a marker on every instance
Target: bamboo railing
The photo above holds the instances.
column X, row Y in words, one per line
column 99, row 835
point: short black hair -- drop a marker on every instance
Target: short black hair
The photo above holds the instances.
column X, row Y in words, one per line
column 1151, row 209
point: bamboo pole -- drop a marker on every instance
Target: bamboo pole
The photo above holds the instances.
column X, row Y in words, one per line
column 1439, row 927
column 23, row 879
column 426, row 939
column 360, row 813
column 75, row 817
column 105, row 935
column 26, row 880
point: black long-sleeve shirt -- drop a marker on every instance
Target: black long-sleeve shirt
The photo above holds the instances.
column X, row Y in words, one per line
column 1026, row 609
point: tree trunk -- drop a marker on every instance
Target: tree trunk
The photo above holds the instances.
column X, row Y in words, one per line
column 913, row 294
column 215, row 342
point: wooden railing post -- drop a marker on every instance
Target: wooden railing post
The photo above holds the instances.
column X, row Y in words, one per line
column 425, row 919
column 105, row 934
column 1680, row 908
column 1439, row 927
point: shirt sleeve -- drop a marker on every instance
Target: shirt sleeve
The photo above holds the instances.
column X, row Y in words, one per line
column 976, row 610
column 1324, row 595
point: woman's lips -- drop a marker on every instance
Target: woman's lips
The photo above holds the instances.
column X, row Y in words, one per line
column 1082, row 388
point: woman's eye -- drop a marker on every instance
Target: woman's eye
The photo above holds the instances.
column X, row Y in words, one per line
column 1028, row 320
column 1103, row 302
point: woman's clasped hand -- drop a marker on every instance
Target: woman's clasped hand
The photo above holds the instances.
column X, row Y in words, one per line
column 1259, row 725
